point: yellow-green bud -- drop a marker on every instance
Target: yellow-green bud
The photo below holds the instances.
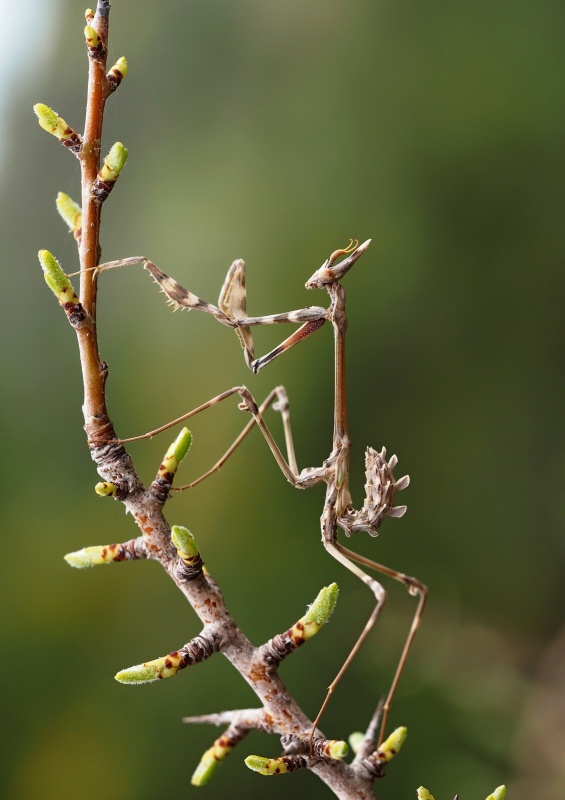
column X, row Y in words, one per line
column 92, row 38
column 110, row 171
column 51, row 122
column 266, row 766
column 498, row 794
column 210, row 761
column 89, row 15
column 117, row 73
column 106, row 489
column 113, row 163
column 205, row 769
column 122, row 65
column 319, row 612
column 92, row 556
column 185, row 543
column 336, row 749
column 391, row 746
column 70, row 211
column 175, row 454
column 56, row 279
column 355, row 741
column 423, row 794
column 150, row 671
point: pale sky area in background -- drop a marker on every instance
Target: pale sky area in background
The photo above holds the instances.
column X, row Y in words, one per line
column 26, row 31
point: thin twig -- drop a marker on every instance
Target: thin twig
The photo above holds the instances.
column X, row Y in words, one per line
column 97, row 424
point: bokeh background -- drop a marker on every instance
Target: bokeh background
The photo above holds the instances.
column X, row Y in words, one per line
column 274, row 131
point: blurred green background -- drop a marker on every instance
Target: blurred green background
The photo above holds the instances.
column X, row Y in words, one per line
column 274, row 131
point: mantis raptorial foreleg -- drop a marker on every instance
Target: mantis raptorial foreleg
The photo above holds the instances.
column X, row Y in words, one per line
column 231, row 310
column 233, row 303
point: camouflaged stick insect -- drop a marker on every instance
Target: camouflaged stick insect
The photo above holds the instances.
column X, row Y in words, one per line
column 338, row 512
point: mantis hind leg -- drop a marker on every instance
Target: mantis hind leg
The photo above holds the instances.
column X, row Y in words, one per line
column 414, row 587
column 335, row 550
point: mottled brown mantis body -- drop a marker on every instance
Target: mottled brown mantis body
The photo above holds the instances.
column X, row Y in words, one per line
column 338, row 511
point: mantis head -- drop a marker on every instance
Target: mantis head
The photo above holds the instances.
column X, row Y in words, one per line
column 329, row 274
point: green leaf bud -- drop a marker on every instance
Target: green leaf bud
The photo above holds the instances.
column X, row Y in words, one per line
column 175, row 455
column 142, row 673
column 210, row 761
column 94, row 43
column 51, row 122
column 113, row 163
column 93, row 556
column 266, row 766
column 106, row 489
column 122, row 65
column 56, row 279
column 355, row 741
column 335, row 749
column 117, row 73
column 205, row 770
column 70, row 211
column 92, row 38
column 185, row 543
column 391, row 746
column 498, row 794
column 423, row 794
column 150, row 671
column 320, row 611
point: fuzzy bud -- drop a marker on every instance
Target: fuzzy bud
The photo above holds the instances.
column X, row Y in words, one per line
column 51, row 122
column 56, row 279
column 110, row 171
column 71, row 212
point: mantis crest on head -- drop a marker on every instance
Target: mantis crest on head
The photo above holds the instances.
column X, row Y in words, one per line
column 338, row 511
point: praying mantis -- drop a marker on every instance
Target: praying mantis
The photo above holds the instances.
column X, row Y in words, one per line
column 338, row 512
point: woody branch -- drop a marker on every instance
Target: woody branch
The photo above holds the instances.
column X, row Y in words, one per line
column 278, row 713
